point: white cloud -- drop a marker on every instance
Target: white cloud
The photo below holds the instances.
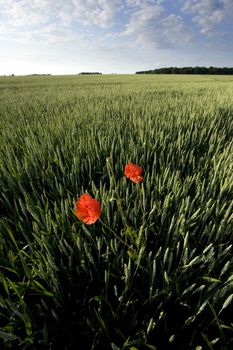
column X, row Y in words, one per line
column 143, row 19
column 208, row 13
column 101, row 13
column 55, row 21
column 34, row 12
column 142, row 3
column 23, row 12
column 150, row 23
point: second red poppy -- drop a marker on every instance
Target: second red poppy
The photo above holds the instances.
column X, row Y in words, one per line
column 133, row 172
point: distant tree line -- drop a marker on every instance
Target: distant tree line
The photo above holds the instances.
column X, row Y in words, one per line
column 190, row 70
column 87, row 73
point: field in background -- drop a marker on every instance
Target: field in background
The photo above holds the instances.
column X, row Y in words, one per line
column 64, row 283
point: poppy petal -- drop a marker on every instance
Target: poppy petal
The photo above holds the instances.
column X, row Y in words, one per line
column 133, row 172
column 87, row 209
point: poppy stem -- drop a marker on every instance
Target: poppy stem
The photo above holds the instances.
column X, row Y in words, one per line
column 114, row 233
column 140, row 195
column 119, row 205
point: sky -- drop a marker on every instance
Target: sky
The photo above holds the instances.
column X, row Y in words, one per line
column 113, row 36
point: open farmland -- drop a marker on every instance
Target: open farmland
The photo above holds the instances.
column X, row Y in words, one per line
column 157, row 271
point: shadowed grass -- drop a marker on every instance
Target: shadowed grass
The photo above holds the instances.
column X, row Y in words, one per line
column 64, row 283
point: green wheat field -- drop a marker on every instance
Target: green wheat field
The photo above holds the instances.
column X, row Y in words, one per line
column 161, row 280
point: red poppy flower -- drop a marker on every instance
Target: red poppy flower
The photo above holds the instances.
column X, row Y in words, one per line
column 87, row 209
column 133, row 172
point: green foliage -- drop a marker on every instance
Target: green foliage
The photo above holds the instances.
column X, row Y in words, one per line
column 190, row 70
column 63, row 283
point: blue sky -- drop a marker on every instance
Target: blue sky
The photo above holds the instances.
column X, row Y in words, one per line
column 113, row 36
